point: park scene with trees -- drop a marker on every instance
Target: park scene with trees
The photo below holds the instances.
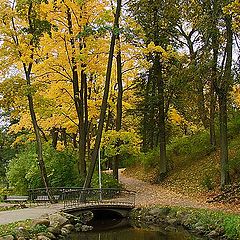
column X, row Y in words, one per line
column 148, row 86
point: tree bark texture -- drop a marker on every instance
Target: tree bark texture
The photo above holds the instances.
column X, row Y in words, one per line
column 27, row 71
column 157, row 70
column 54, row 133
column 78, row 101
column 105, row 98
column 222, row 98
column 146, row 112
column 119, row 105
column 161, row 117
column 41, row 162
column 215, row 74
column 214, row 79
column 225, row 178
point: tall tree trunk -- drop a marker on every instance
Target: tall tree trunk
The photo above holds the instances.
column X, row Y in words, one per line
column 41, row 163
column 214, row 78
column 105, row 98
column 214, row 74
column 146, row 112
column 27, row 71
column 64, row 136
column 83, row 122
column 222, row 98
column 212, row 116
column 201, row 103
column 89, row 141
column 108, row 121
column 198, row 81
column 161, row 115
column 119, row 105
column 152, row 111
column 54, row 133
column 157, row 66
column 74, row 140
column 78, row 100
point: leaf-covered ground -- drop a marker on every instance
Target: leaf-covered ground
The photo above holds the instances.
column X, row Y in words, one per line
column 182, row 188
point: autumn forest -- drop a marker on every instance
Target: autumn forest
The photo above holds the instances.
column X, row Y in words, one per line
column 153, row 86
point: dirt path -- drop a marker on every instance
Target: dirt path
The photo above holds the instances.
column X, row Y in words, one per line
column 152, row 194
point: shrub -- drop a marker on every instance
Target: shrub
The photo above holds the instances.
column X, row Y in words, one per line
column 234, row 165
column 208, row 183
column 23, row 171
column 150, row 159
column 125, row 144
column 234, row 126
column 210, row 220
column 231, row 225
column 107, row 181
column 38, row 229
column 194, row 146
column 10, row 229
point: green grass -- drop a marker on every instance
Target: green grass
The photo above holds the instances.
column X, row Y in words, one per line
column 195, row 165
column 210, row 220
column 11, row 228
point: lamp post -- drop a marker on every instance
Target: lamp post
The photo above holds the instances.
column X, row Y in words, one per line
column 99, row 170
column 99, row 173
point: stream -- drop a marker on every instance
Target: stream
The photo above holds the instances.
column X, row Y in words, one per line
column 122, row 229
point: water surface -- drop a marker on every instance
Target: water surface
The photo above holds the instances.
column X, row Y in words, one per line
column 116, row 229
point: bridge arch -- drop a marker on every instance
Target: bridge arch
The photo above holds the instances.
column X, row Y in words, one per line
column 105, row 211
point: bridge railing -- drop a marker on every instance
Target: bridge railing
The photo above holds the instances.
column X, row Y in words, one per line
column 105, row 196
column 40, row 194
column 77, row 197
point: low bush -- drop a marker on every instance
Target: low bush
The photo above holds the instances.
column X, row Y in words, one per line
column 229, row 223
column 194, row 146
column 23, row 171
column 107, row 181
column 234, row 158
column 11, row 228
column 234, row 126
column 150, row 159
column 208, row 182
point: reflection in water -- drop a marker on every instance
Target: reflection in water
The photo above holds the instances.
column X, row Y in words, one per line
column 132, row 234
column 122, row 234
column 106, row 220
column 104, row 231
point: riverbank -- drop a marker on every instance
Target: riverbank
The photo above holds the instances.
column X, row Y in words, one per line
column 202, row 222
column 48, row 227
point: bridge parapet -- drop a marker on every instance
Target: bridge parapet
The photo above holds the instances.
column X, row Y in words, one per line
column 105, row 196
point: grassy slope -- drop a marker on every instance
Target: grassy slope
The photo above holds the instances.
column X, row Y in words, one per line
column 195, row 166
